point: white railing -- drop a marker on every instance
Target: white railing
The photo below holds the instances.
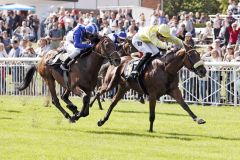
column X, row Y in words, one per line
column 220, row 86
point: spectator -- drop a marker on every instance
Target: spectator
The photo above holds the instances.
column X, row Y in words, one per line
column 207, row 33
column 174, row 28
column 120, row 27
column 207, row 53
column 188, row 39
column 233, row 33
column 55, row 36
column 181, row 32
column 232, row 7
column 2, row 27
column 42, row 48
column 229, row 55
column 188, row 24
column 131, row 32
column 203, row 18
column 106, row 29
column 215, row 77
column 113, row 22
column 68, row 22
column 217, row 46
column 3, row 53
column 6, row 41
column 162, row 18
column 15, row 51
column 23, row 31
column 217, row 26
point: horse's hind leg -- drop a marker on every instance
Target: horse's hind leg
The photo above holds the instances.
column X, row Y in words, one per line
column 121, row 91
column 97, row 97
column 70, row 105
column 176, row 94
column 55, row 100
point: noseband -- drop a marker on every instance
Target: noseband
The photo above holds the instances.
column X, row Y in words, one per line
column 194, row 65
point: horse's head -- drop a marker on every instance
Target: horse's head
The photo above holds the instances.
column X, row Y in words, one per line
column 193, row 62
column 126, row 48
column 107, row 49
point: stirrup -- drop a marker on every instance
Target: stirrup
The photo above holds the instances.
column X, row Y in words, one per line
column 64, row 68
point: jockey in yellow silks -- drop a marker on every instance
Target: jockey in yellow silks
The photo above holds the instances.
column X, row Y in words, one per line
column 148, row 41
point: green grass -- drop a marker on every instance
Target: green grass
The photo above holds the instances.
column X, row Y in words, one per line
column 30, row 131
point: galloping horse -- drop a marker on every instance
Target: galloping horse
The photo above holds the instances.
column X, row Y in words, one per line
column 159, row 77
column 82, row 76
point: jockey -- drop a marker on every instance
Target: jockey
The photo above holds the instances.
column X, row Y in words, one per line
column 149, row 39
column 118, row 39
column 77, row 43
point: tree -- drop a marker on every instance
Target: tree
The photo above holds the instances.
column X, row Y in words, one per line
column 173, row 7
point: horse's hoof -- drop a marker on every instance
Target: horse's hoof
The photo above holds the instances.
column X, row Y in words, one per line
column 100, row 123
column 142, row 101
column 72, row 119
column 201, row 121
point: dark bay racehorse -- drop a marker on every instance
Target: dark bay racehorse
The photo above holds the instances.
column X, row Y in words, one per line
column 160, row 77
column 125, row 50
column 82, row 76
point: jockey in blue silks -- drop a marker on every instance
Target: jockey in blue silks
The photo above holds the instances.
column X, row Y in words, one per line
column 118, row 38
column 77, row 43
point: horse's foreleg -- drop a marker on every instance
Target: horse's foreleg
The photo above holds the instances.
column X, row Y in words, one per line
column 70, row 105
column 99, row 103
column 152, row 105
column 55, row 100
column 85, row 109
column 121, row 91
column 177, row 95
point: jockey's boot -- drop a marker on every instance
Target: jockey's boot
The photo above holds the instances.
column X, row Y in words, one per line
column 64, row 66
column 135, row 73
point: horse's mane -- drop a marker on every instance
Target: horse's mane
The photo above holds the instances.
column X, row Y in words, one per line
column 167, row 58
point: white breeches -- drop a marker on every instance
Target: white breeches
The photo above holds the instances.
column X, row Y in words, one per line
column 143, row 46
column 71, row 50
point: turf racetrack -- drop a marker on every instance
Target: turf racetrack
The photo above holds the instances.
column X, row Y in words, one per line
column 30, row 131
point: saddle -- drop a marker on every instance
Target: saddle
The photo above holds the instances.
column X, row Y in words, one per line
column 61, row 56
column 132, row 65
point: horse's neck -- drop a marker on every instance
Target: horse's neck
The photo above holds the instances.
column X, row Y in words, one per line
column 93, row 63
column 175, row 65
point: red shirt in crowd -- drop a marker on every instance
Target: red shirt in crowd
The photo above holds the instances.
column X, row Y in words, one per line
column 233, row 35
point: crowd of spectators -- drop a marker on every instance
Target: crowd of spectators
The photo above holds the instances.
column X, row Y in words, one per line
column 23, row 34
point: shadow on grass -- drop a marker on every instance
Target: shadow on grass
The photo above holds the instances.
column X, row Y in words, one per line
column 139, row 135
column 204, row 136
column 12, row 111
column 6, row 118
column 168, row 114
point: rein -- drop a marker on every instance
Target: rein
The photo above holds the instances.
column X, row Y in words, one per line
column 108, row 57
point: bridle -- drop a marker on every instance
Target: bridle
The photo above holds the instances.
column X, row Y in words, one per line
column 194, row 65
column 108, row 57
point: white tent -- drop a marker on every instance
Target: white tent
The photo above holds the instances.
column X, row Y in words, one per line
column 16, row 6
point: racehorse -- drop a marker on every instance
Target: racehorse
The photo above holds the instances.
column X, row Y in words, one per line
column 160, row 77
column 124, row 50
column 82, row 76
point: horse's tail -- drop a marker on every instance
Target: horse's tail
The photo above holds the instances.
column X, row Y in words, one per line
column 27, row 79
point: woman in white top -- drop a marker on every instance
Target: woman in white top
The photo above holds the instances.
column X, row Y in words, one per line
column 42, row 48
column 3, row 52
column 215, row 78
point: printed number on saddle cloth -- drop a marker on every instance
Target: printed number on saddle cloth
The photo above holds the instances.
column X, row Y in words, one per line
column 139, row 43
